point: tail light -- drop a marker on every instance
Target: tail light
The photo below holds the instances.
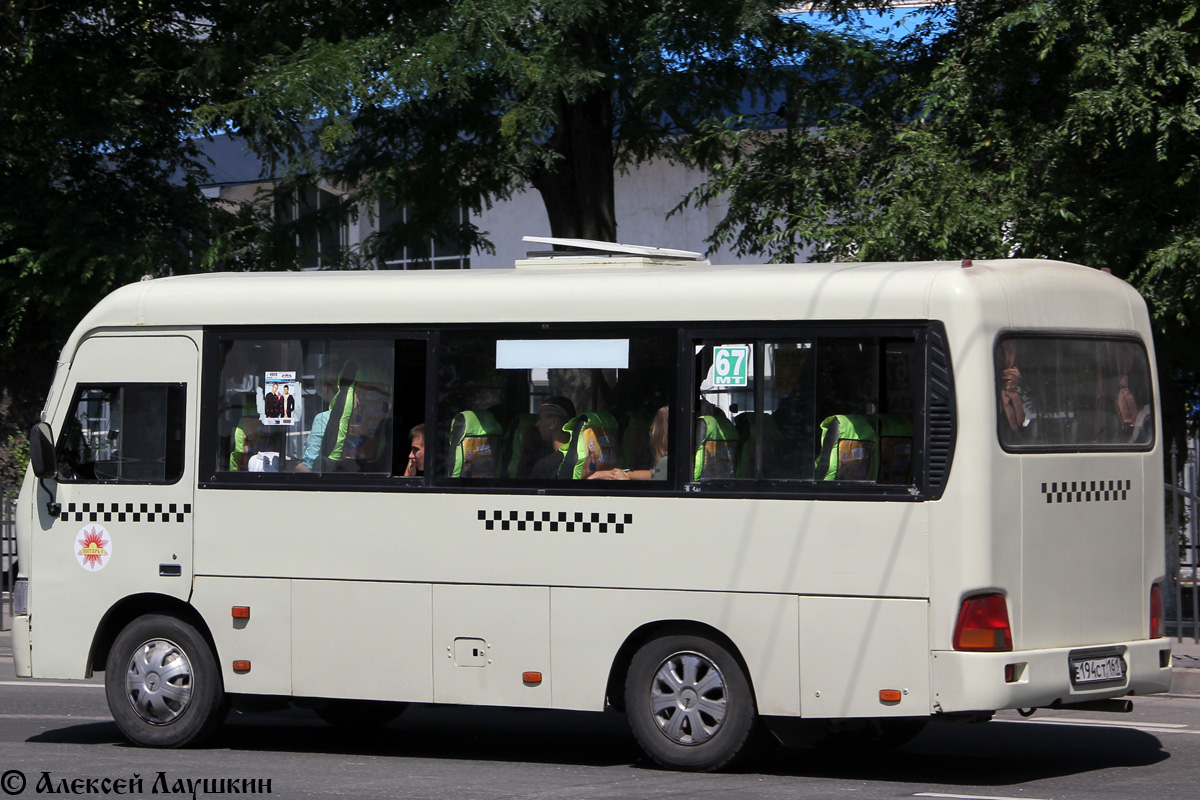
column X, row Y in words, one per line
column 1156, row 611
column 983, row 624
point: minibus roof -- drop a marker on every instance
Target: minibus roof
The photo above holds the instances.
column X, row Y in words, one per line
column 1018, row 292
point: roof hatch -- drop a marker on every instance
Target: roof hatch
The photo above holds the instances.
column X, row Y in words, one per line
column 591, row 253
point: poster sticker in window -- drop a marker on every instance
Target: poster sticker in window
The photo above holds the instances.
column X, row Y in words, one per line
column 93, row 548
column 281, row 399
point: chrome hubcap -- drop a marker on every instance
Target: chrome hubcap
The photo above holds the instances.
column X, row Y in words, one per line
column 687, row 698
column 158, row 681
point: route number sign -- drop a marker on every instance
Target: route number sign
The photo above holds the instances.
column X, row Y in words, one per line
column 731, row 365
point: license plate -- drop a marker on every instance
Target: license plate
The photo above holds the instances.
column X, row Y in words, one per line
column 1097, row 669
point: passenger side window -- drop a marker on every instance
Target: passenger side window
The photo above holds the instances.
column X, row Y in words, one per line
column 123, row 433
column 547, row 411
column 805, row 409
column 316, row 406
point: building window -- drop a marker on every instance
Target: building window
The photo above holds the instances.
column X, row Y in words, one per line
column 320, row 234
column 430, row 253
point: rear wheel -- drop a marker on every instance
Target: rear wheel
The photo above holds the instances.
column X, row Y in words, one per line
column 163, row 685
column 689, row 704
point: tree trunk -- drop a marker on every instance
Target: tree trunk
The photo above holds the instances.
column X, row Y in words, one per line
column 577, row 189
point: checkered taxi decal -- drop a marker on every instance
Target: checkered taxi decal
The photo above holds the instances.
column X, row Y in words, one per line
column 568, row 522
column 1087, row 491
column 126, row 512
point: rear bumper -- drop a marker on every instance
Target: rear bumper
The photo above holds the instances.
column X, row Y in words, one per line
column 976, row 681
column 22, row 661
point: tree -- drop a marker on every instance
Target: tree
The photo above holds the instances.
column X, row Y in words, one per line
column 1061, row 129
column 439, row 106
column 434, row 105
column 99, row 173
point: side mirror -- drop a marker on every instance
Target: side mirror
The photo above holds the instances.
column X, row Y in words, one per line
column 41, row 451
column 43, row 463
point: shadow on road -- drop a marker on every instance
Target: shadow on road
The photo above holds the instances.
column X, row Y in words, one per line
column 998, row 753
column 87, row 733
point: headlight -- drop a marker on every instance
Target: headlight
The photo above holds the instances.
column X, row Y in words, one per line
column 20, row 598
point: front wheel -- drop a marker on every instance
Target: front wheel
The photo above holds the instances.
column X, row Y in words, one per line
column 689, row 704
column 163, row 685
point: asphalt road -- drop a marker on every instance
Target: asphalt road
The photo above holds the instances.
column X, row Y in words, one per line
column 59, row 735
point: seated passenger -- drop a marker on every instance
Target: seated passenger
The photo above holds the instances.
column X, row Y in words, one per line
column 416, row 452
column 658, row 444
column 553, row 414
column 312, row 445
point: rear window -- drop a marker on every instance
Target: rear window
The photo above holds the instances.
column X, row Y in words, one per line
column 1061, row 394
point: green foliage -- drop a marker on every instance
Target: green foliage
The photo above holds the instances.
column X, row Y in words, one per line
column 1062, row 129
column 434, row 105
column 444, row 105
column 14, row 450
column 99, row 177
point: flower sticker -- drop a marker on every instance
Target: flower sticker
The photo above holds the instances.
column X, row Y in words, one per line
column 93, row 548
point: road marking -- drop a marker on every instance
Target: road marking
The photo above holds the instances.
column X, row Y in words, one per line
column 1118, row 723
column 35, row 684
column 75, row 717
column 1144, row 727
column 970, row 796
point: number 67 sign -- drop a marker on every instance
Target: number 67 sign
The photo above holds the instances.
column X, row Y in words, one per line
column 730, row 365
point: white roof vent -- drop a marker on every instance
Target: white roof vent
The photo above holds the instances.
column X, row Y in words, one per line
column 588, row 252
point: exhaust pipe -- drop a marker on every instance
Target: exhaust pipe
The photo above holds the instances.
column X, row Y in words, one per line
column 1111, row 706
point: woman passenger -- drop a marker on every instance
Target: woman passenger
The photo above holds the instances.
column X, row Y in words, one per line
column 658, row 444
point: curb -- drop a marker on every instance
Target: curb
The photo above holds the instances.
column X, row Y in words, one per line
column 1185, row 681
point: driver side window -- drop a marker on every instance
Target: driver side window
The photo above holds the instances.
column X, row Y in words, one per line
column 123, row 433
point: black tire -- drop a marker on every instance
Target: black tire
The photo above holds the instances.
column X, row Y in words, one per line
column 352, row 714
column 690, row 705
column 163, row 685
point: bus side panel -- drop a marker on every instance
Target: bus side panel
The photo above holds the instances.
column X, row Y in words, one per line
column 590, row 625
column 851, row 648
column 878, row 549
column 360, row 639
column 264, row 639
column 485, row 638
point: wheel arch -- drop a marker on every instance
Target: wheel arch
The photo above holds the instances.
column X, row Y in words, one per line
column 615, row 688
column 130, row 608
